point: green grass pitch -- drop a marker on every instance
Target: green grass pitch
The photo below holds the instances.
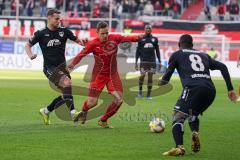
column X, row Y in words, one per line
column 23, row 135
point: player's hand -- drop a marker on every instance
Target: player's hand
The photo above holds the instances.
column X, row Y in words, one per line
column 33, row 56
column 70, row 67
column 232, row 96
column 136, row 67
column 83, row 42
column 140, row 36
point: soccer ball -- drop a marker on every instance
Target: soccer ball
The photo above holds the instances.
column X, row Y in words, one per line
column 157, row 125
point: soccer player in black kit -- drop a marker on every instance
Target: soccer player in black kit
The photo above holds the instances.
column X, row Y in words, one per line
column 52, row 41
column 198, row 90
column 146, row 51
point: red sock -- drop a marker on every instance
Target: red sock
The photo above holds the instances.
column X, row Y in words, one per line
column 112, row 109
column 85, row 107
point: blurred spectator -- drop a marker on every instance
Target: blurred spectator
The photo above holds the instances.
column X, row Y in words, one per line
column 234, row 10
column 2, row 6
column 148, row 9
column 86, row 6
column 133, row 9
column 119, row 10
column 96, row 11
column 158, row 8
column 104, row 9
column 207, row 13
column 29, row 7
column 43, row 8
column 59, row 4
column 167, row 8
column 13, row 7
column 51, row 4
column 176, row 9
column 221, row 11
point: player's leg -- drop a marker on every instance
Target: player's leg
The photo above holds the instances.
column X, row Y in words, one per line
column 177, row 132
column 96, row 86
column 141, row 79
column 140, row 84
column 58, row 101
column 149, row 85
column 45, row 112
column 88, row 104
column 114, row 87
column 202, row 98
column 112, row 109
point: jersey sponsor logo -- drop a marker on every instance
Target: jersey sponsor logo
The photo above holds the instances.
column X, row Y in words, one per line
column 61, row 34
column 110, row 48
column 46, row 35
column 148, row 45
column 53, row 42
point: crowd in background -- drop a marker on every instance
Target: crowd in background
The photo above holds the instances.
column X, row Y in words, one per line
column 223, row 9
column 121, row 8
column 97, row 8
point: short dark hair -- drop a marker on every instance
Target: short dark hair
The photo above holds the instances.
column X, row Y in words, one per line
column 186, row 40
column 148, row 26
column 101, row 24
column 52, row 11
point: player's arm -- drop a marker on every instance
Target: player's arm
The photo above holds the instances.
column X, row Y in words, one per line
column 129, row 38
column 138, row 53
column 79, row 56
column 157, row 51
column 172, row 64
column 216, row 65
column 31, row 42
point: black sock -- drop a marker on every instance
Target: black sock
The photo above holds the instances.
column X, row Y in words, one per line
column 149, row 90
column 68, row 98
column 150, row 82
column 55, row 103
column 194, row 125
column 177, row 131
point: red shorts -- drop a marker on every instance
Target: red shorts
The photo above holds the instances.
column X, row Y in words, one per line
column 97, row 84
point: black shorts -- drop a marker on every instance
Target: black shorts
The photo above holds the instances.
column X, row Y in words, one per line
column 195, row 100
column 149, row 67
column 54, row 74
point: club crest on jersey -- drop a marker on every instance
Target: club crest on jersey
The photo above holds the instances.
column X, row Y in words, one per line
column 61, row 34
column 153, row 40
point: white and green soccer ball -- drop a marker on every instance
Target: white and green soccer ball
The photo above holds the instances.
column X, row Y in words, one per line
column 157, row 125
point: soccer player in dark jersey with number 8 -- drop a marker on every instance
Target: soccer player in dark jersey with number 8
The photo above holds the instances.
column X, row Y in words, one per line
column 198, row 90
column 52, row 41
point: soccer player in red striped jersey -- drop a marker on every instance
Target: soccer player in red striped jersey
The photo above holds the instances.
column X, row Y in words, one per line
column 105, row 72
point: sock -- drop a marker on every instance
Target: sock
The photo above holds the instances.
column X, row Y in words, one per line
column 73, row 112
column 112, row 109
column 194, row 124
column 55, row 104
column 177, row 131
column 149, row 85
column 46, row 111
column 149, row 90
column 85, row 107
column 140, row 83
column 68, row 98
